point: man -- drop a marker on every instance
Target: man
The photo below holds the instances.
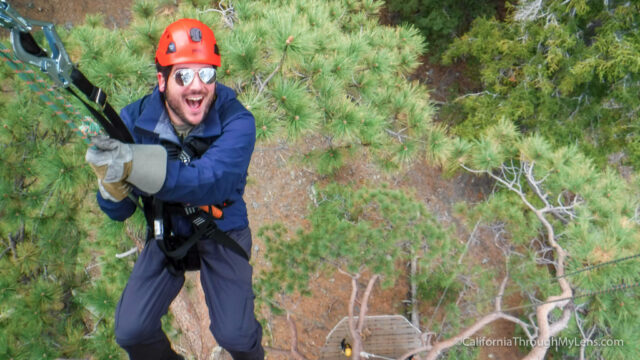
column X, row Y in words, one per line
column 194, row 141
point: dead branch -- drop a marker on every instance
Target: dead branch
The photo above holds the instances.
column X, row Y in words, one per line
column 294, row 339
column 129, row 252
column 293, row 352
column 529, row 11
column 357, row 343
column 355, row 336
column 415, row 314
column 585, row 336
column 434, row 350
column 510, row 178
column 284, row 54
column 365, row 301
column 228, row 14
column 14, row 239
column 470, row 241
column 356, row 329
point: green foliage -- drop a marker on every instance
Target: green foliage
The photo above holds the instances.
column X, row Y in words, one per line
column 569, row 72
column 599, row 225
column 144, row 9
column 41, row 185
column 332, row 72
column 440, row 282
column 355, row 230
column 441, row 21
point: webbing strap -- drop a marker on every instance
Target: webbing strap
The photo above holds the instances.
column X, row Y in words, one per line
column 205, row 227
column 106, row 116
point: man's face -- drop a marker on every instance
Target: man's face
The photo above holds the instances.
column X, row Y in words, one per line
column 190, row 103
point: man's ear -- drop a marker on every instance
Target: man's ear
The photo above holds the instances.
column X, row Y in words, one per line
column 162, row 82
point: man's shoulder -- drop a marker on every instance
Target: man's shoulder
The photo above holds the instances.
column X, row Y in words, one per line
column 149, row 103
column 136, row 108
column 224, row 93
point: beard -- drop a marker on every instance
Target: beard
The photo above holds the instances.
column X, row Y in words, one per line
column 178, row 107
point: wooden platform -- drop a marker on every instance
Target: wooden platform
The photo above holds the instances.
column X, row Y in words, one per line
column 389, row 336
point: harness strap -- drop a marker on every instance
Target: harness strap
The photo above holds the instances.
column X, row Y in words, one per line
column 192, row 148
column 205, row 227
column 106, row 116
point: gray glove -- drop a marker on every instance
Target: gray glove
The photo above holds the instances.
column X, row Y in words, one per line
column 116, row 164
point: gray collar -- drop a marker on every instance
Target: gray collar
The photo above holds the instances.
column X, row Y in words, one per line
column 165, row 129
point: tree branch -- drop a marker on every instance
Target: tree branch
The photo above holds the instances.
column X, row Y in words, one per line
column 356, row 329
column 293, row 352
column 355, row 335
column 436, row 349
column 129, row 252
column 546, row 328
column 284, row 54
column 364, row 303
column 415, row 314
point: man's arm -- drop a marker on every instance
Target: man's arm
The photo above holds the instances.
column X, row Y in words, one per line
column 119, row 211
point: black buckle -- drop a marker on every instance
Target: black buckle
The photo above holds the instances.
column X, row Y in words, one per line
column 99, row 97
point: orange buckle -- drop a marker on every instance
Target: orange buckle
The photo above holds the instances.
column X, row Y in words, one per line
column 213, row 210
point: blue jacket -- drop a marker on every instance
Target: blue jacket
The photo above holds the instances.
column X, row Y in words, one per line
column 218, row 176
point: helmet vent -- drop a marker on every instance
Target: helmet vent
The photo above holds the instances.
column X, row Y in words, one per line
column 171, row 48
column 195, row 34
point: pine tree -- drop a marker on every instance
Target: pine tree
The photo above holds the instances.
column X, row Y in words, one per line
column 565, row 69
column 441, row 22
column 355, row 230
column 558, row 209
column 43, row 181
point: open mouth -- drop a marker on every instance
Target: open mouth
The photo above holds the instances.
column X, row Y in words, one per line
column 194, row 102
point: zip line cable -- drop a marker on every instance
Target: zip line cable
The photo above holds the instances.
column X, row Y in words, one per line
column 578, row 296
column 569, row 274
column 56, row 63
column 588, row 268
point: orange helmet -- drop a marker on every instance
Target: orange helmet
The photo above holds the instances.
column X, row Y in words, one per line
column 187, row 41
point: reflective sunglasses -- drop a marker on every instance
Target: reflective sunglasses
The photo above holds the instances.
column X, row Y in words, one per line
column 184, row 77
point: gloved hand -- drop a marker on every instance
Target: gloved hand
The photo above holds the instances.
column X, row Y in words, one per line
column 117, row 165
column 113, row 191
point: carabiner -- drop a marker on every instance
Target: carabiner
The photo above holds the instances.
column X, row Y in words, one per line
column 55, row 62
column 10, row 19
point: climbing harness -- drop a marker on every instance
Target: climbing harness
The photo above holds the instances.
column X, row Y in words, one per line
column 182, row 252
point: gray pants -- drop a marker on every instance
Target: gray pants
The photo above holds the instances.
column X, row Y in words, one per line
column 226, row 281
